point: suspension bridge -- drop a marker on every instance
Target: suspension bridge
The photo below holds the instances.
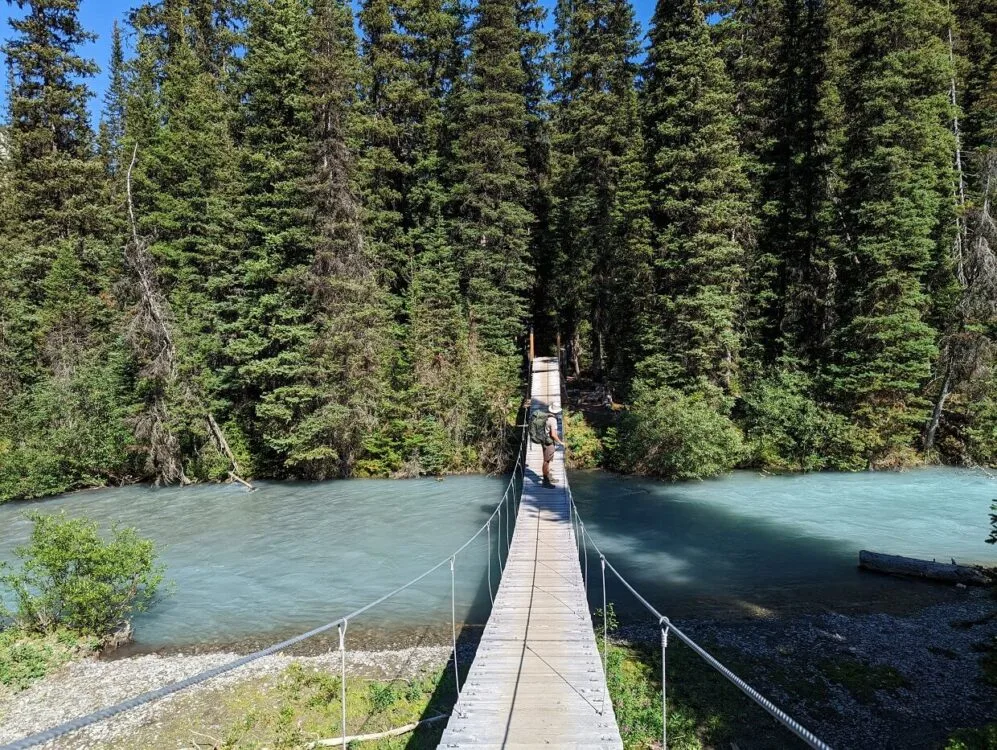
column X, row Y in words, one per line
column 538, row 678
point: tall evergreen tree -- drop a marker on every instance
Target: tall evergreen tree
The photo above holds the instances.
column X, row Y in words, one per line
column 899, row 212
column 698, row 200
column 186, row 195
column 56, row 270
column 490, row 188
column 781, row 56
column 594, row 129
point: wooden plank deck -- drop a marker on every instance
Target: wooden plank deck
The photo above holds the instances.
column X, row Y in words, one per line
column 537, row 678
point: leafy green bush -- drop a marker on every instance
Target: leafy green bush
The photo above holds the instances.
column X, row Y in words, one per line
column 984, row 738
column 584, row 445
column 787, row 430
column 72, row 578
column 677, row 436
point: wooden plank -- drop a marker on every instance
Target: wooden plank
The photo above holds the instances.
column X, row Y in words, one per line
column 537, row 678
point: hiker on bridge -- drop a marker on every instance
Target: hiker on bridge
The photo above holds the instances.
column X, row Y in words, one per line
column 543, row 431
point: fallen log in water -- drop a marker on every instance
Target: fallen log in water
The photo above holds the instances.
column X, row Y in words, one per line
column 909, row 566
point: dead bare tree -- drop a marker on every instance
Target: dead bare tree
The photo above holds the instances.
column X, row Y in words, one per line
column 150, row 333
column 968, row 352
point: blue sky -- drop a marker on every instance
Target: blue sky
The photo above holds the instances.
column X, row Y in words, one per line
column 98, row 15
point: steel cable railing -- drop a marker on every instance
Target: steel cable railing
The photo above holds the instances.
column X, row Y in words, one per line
column 341, row 625
column 666, row 626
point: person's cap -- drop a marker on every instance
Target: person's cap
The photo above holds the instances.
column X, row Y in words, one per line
column 554, row 408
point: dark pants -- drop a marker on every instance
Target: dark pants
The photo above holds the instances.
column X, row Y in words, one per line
column 548, row 457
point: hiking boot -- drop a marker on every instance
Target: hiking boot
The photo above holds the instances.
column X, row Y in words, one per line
column 548, row 483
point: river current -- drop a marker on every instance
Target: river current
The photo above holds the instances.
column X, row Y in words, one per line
column 250, row 566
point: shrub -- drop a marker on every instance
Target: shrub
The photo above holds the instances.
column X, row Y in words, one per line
column 70, row 577
column 788, row 431
column 677, row 436
column 584, row 445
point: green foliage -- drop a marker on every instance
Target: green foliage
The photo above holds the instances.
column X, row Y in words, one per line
column 898, row 155
column 71, row 578
column 585, row 449
column 787, row 430
column 698, row 203
column 635, row 689
column 291, row 252
column 676, row 436
column 66, row 432
column 306, row 703
column 27, row 657
column 983, row 738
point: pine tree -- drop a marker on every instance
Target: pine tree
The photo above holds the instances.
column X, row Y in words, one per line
column 899, row 211
column 350, row 309
column 698, row 200
column 112, row 120
column 186, row 188
column 781, row 57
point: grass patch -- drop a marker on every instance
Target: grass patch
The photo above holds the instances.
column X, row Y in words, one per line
column 302, row 705
column 26, row 658
column 983, row 738
column 988, row 660
column 863, row 680
column 704, row 709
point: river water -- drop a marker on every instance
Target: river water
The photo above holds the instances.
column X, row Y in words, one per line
column 251, row 566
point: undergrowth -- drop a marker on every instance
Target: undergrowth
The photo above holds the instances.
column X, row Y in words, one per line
column 28, row 657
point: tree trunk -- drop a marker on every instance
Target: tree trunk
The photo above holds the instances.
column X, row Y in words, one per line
column 936, row 414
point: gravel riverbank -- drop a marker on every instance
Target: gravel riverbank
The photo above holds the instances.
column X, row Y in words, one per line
column 827, row 670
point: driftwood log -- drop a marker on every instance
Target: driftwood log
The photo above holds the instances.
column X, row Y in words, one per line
column 909, row 566
column 339, row 741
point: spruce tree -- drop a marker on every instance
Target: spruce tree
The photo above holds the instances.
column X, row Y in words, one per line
column 490, row 186
column 698, row 204
column 56, row 270
column 899, row 212
column 187, row 190
column 348, row 386
column 112, row 119
column 593, row 125
column 780, row 54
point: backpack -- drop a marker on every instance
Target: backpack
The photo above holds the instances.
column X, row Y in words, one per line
column 538, row 428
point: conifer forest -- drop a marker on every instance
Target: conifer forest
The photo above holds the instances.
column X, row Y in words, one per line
column 307, row 239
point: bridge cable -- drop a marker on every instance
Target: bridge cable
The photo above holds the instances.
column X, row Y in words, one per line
column 665, row 624
column 174, row 687
column 777, row 713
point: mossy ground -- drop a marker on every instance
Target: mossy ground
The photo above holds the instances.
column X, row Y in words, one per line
column 862, row 680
